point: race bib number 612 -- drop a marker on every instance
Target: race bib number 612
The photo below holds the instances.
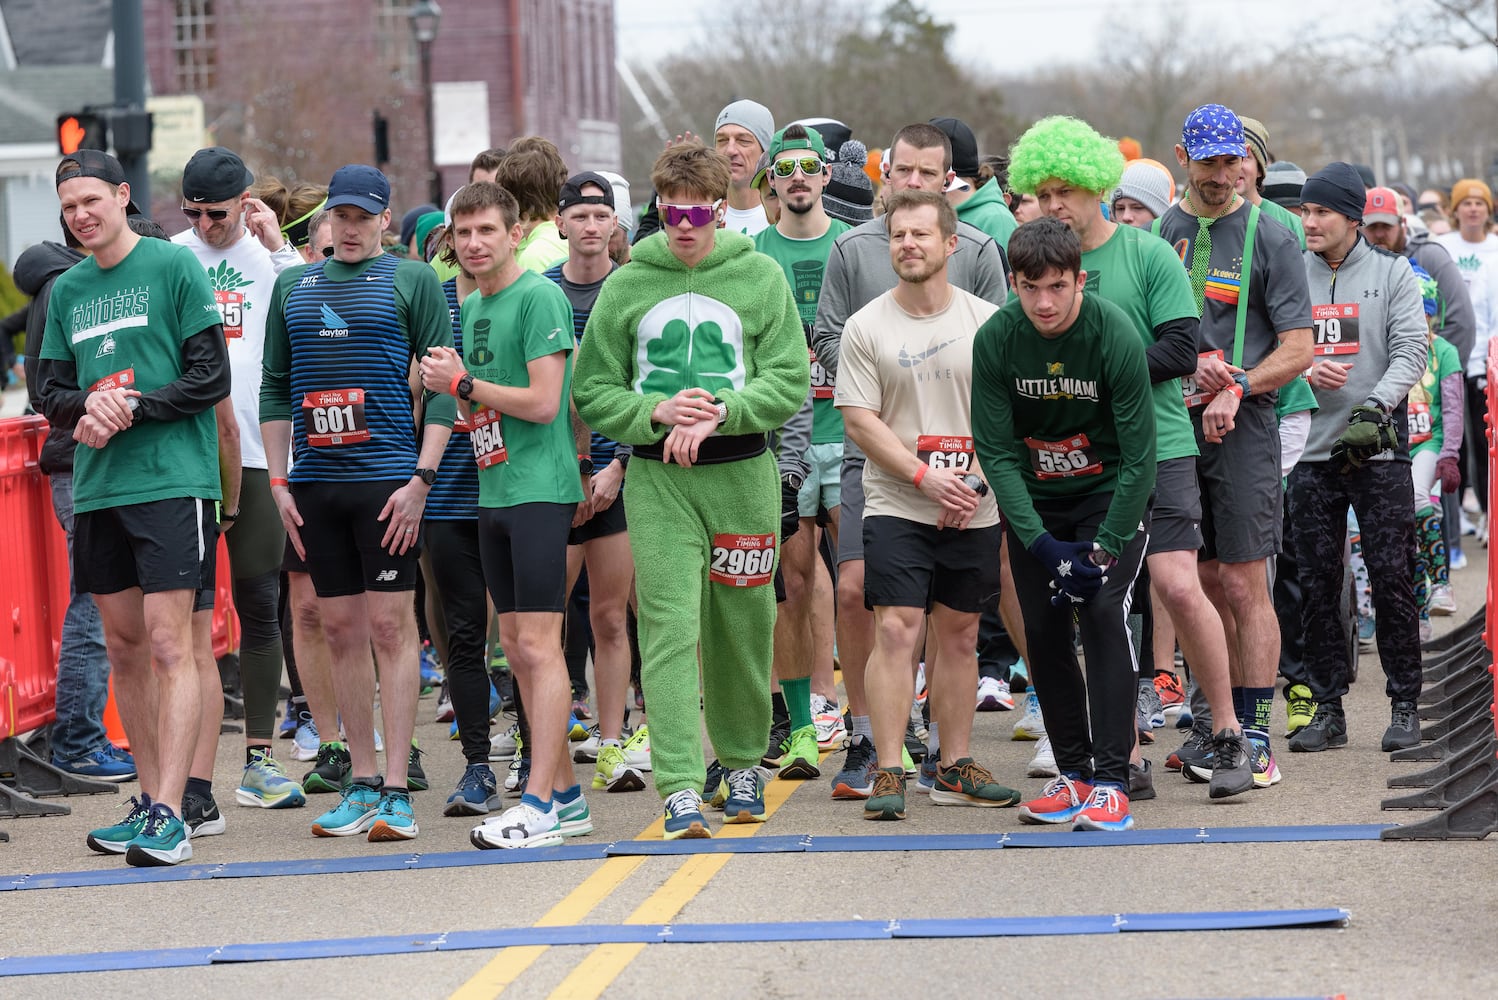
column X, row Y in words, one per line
column 742, row 560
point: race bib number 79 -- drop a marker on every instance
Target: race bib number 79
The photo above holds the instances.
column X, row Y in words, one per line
column 1335, row 328
column 742, row 560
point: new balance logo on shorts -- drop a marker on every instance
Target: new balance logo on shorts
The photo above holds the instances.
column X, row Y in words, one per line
column 385, row 576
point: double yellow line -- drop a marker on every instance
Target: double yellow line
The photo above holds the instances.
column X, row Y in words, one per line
column 604, row 964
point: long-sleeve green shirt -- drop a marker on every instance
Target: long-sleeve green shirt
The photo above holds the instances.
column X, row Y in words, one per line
column 1069, row 415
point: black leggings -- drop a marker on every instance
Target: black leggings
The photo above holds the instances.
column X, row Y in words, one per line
column 458, row 576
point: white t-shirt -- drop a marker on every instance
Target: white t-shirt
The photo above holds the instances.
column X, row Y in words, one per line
column 745, row 220
column 1478, row 263
column 243, row 278
column 916, row 372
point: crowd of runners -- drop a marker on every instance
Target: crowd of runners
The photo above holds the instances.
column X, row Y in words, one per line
column 1062, row 431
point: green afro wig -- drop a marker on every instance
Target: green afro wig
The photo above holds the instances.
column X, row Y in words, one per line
column 1067, row 149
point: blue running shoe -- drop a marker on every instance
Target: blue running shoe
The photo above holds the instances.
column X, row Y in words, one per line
column 116, row 839
column 477, row 792
column 929, row 767
column 354, row 814
column 746, row 796
column 164, row 841
column 496, row 703
column 265, row 784
column 306, row 739
column 394, row 819
column 576, row 731
column 101, row 765
column 856, row 779
column 684, row 816
column 289, row 720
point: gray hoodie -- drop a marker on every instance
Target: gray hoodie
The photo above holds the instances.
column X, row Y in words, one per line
column 1392, row 341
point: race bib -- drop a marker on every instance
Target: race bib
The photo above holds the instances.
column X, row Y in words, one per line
column 231, row 310
column 1191, row 392
column 823, row 385
column 742, row 560
column 945, row 452
column 1063, row 459
column 483, row 434
column 1420, row 426
column 334, row 417
column 1335, row 328
column 119, row 380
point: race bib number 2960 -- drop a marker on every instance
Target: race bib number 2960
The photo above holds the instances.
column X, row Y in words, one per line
column 742, row 560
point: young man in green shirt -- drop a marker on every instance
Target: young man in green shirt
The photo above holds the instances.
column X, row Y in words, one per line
column 1064, row 426
column 516, row 379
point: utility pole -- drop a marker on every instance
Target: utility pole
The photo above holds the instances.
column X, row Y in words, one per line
column 130, row 125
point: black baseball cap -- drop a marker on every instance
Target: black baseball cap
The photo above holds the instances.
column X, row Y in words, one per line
column 94, row 163
column 215, row 174
column 964, row 145
column 572, row 191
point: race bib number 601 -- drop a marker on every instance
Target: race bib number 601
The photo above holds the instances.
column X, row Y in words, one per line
column 334, row 417
column 742, row 560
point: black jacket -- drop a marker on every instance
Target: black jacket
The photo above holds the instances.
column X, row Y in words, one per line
column 36, row 269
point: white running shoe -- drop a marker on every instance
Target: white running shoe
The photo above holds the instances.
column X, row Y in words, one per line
column 502, row 747
column 828, row 718
column 586, row 752
column 637, row 749
column 1043, row 764
column 993, row 695
column 1031, row 724
column 1441, row 600
column 520, row 825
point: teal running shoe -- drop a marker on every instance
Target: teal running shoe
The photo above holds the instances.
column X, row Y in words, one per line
column 354, row 814
column 164, row 841
column 116, row 839
column 394, row 819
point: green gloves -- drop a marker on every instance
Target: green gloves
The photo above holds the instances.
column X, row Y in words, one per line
column 1370, row 431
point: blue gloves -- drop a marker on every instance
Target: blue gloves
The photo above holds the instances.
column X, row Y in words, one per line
column 1075, row 577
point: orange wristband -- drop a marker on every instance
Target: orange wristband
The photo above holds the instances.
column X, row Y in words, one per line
column 920, row 473
column 1235, row 389
column 452, row 390
column 278, row 481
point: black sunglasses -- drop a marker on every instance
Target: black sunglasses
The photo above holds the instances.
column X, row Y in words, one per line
column 327, row 251
column 216, row 214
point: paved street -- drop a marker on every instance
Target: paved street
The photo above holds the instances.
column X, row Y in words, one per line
column 1423, row 915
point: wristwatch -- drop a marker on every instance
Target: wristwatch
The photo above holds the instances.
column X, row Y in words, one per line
column 465, row 386
column 1242, row 380
column 792, row 479
column 229, row 515
column 722, row 412
column 584, row 465
column 428, row 476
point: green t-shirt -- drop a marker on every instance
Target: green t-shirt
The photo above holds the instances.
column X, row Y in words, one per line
column 1065, row 416
column 804, row 262
column 1295, row 396
column 1139, row 273
column 542, row 247
column 1440, row 361
column 525, row 462
column 1286, row 218
column 125, row 326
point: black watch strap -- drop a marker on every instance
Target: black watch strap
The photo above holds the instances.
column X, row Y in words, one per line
column 428, row 476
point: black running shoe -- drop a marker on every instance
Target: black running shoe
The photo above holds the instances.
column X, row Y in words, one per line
column 416, row 776
column 332, row 770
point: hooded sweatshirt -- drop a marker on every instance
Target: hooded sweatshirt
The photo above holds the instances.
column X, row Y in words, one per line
column 986, row 210
column 1391, row 341
column 36, row 269
column 728, row 325
column 1458, row 321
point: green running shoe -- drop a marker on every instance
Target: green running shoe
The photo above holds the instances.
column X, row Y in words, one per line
column 966, row 783
column 116, row 839
column 164, row 841
column 887, row 800
column 800, row 759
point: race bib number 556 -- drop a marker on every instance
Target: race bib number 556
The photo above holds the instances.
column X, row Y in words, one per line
column 742, row 560
column 1064, row 459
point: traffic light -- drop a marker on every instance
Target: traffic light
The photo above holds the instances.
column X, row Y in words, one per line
column 82, row 130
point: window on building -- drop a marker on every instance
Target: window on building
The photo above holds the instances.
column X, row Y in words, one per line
column 195, row 44
column 394, row 40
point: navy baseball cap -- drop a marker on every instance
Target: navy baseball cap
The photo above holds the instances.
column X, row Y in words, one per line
column 1213, row 130
column 360, row 186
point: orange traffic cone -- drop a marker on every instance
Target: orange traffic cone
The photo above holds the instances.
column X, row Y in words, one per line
column 113, row 727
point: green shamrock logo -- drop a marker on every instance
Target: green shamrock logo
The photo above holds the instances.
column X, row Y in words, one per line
column 684, row 357
column 225, row 278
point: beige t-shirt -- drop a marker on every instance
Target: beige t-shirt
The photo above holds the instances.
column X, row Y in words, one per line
column 916, row 372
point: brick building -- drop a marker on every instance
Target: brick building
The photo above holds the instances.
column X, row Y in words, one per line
column 294, row 85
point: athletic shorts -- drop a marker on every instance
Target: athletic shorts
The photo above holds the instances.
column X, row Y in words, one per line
column 823, row 486
column 609, row 521
column 850, row 515
column 524, row 552
column 1241, row 495
column 290, row 561
column 1176, row 524
column 908, row 564
column 158, row 546
column 341, row 533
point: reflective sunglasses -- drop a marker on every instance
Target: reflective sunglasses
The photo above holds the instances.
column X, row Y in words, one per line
column 810, row 166
column 216, row 214
column 696, row 215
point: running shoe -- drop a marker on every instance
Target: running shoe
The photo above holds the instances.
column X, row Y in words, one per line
column 993, row 695
column 1367, row 630
column 1043, row 764
column 1060, row 801
column 778, row 743
column 503, row 746
column 520, row 773
column 637, row 749
column 1427, row 629
column 354, row 813
column 712, row 785
column 746, row 796
column 306, row 739
column 116, row 839
column 1141, row 781
column 613, row 773
column 1019, row 674
column 1300, row 708
column 1458, row 559
column 1404, row 727
column 1172, row 695
column 684, row 820
column 799, row 762
column 911, row 768
column 265, row 784
column 828, row 718
column 1107, row 810
column 1228, row 769
column 915, row 725
column 926, row 780
column 431, row 677
column 1031, row 723
column 580, row 706
column 416, row 775
column 576, row 731
column 857, row 776
column 586, row 752
column 163, row 841
column 101, row 765
column 332, row 771
column 288, row 721
column 1442, row 602
column 1196, row 750
column 452, row 731
column 887, row 800
column 1149, row 708
column 1328, row 729
column 496, row 701
column 201, row 816
column 1261, row 756
column 920, row 683
column 573, row 818
column 968, row 783
column 394, row 819
column 445, row 710
column 521, row 825
column 477, row 792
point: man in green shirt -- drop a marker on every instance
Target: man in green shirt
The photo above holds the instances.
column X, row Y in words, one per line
column 134, row 359
column 516, row 379
column 1064, row 426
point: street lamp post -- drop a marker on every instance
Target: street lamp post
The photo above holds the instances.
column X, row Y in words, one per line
column 425, row 17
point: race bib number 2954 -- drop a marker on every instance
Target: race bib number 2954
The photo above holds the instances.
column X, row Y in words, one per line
column 742, row 560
